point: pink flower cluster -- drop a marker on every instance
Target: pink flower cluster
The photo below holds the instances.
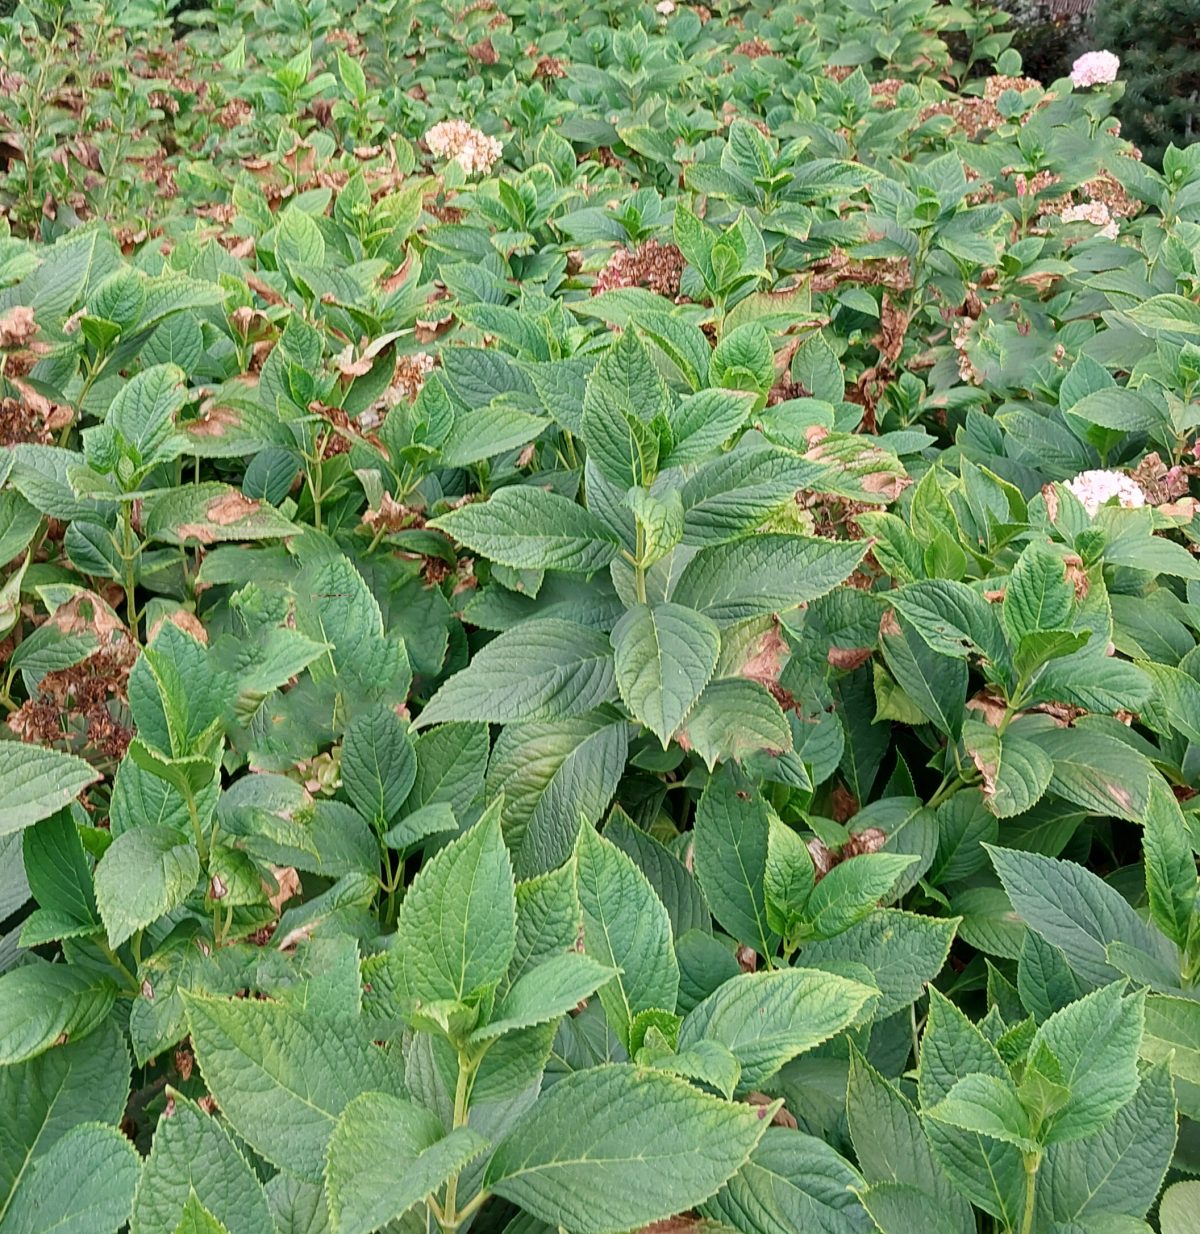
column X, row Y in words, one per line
column 1094, row 68
column 1098, row 488
column 472, row 150
column 1094, row 212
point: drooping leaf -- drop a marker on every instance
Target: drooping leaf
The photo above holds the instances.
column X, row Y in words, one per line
column 570, row 1162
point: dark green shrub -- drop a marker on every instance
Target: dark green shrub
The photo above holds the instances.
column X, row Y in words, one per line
column 1159, row 45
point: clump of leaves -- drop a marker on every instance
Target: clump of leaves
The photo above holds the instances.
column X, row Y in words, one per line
column 653, row 674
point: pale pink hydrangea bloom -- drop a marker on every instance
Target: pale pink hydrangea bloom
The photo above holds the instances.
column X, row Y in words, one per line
column 1097, row 488
column 472, row 150
column 1094, row 212
column 1095, row 68
column 665, row 7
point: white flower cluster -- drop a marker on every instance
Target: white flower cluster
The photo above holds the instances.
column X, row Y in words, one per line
column 1094, row 212
column 472, row 150
column 1097, row 488
column 1095, row 68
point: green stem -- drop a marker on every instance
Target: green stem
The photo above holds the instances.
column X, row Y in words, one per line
column 197, row 829
column 1032, row 1163
column 450, row 1216
column 120, row 965
column 128, row 555
column 639, row 570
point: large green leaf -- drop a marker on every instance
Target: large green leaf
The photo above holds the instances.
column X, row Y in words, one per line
column 766, row 1019
column 552, row 774
column 890, row 1144
column 1074, row 909
column 616, row 1147
column 378, row 764
column 1094, row 1043
column 542, row 670
column 768, row 573
column 625, row 927
column 194, row 1156
column 1119, row 1170
column 730, row 855
column 544, row 993
column 456, row 931
column 282, row 1077
column 528, row 528
column 44, row 1005
column 367, row 1187
column 35, row 783
column 82, row 1185
column 792, row 1182
column 664, row 657
column 146, row 872
column 44, row 1097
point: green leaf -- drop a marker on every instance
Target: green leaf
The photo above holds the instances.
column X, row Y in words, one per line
column 1170, row 313
column 44, row 1097
column 736, row 718
column 1095, row 1044
column 143, row 411
column 788, row 877
column 903, row 952
column 44, row 1005
column 1072, row 908
column 1037, row 595
column 1016, row 771
column 456, row 931
column 378, row 764
column 1098, row 771
column 196, row 1219
column 368, row 1188
column 210, row 513
column 703, row 422
column 766, row 574
column 1170, row 864
column 897, row 1208
column 552, row 775
column 18, row 521
column 1119, row 1170
column 282, row 1077
column 767, row 1019
column 951, row 617
column 989, row 1106
column 989, row 1172
column 549, row 919
column 730, row 859
column 544, row 669
column 36, row 782
column 60, row 879
column 851, row 891
column 101, row 1167
column 673, row 882
column 625, row 928
column 193, row 1156
column 431, row 820
column 664, row 657
column 544, row 993
column 146, row 872
column 890, row 1143
column 1177, row 1212
column 1172, row 1036
column 670, row 1146
column 529, row 528
column 792, row 1182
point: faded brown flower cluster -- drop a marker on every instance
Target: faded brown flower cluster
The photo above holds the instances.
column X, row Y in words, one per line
column 82, row 708
column 653, row 265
